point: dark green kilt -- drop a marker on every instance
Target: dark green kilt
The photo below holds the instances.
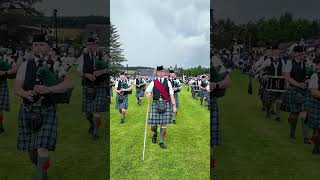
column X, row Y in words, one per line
column 139, row 92
column 215, row 134
column 314, row 113
column 123, row 104
column 45, row 137
column 160, row 118
column 294, row 100
column 96, row 101
column 4, row 96
column 176, row 97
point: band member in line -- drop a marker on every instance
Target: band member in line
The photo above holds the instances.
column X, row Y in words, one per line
column 219, row 81
column 177, row 86
column 314, row 108
column 295, row 74
column 123, row 88
column 140, row 88
column 163, row 104
column 7, row 71
column 37, row 131
column 94, row 73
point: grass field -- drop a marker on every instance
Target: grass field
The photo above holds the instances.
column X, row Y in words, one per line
column 77, row 156
column 255, row 148
column 187, row 154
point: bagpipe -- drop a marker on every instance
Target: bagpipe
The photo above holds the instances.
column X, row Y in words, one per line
column 6, row 66
column 215, row 76
column 48, row 78
column 125, row 86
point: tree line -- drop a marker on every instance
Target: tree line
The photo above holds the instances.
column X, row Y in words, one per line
column 264, row 32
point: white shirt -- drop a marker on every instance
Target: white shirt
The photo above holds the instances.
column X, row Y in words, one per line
column 21, row 73
column 314, row 81
column 151, row 85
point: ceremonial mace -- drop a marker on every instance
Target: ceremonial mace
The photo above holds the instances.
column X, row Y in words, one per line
column 145, row 131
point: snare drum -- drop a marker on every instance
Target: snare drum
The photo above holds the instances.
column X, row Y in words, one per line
column 276, row 84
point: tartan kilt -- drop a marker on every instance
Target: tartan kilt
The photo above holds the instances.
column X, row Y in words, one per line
column 157, row 118
column 293, row 100
column 45, row 137
column 314, row 113
column 139, row 92
column 176, row 97
column 215, row 134
column 124, row 104
column 4, row 96
column 307, row 102
column 96, row 102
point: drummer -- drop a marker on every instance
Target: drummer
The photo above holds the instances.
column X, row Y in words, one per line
column 273, row 99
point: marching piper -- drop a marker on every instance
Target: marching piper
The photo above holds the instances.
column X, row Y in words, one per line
column 37, row 132
column 123, row 89
column 140, row 88
column 94, row 71
column 314, row 109
column 177, row 86
column 295, row 74
column 163, row 104
column 7, row 70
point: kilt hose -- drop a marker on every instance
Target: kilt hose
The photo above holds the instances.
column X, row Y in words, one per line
column 215, row 134
column 123, row 104
column 294, row 100
column 45, row 137
column 160, row 118
column 139, row 92
column 313, row 115
column 4, row 96
column 176, row 97
column 94, row 99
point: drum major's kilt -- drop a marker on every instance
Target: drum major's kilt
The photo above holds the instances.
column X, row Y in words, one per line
column 215, row 134
column 45, row 137
column 123, row 104
column 139, row 92
column 4, row 96
column 176, row 97
column 157, row 118
column 293, row 100
column 94, row 102
column 314, row 113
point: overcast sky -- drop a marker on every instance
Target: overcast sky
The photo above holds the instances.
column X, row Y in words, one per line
column 242, row 11
column 75, row 7
column 163, row 32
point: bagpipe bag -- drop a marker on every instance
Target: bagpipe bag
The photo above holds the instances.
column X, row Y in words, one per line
column 49, row 78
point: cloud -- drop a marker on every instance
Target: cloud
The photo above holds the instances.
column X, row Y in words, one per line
column 163, row 32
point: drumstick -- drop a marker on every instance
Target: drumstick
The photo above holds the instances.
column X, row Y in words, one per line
column 145, row 131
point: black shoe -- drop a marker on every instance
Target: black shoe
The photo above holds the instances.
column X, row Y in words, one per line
column 122, row 121
column 1, row 130
column 154, row 138
column 163, row 146
column 174, row 122
column 292, row 136
column 277, row 119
